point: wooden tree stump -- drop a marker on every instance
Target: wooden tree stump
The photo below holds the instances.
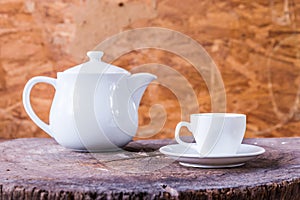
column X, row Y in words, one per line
column 41, row 169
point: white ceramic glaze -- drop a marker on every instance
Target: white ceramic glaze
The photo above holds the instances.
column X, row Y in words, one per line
column 215, row 133
column 188, row 156
column 95, row 105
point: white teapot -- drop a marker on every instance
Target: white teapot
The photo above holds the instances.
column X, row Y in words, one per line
column 95, row 106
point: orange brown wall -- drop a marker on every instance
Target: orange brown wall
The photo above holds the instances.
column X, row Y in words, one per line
column 255, row 45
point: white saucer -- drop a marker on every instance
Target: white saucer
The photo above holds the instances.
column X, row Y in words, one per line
column 189, row 157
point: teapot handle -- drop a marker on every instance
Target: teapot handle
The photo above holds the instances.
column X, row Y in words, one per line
column 26, row 101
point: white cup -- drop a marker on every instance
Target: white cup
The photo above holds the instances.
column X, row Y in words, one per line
column 216, row 134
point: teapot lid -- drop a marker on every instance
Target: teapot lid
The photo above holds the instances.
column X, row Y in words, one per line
column 95, row 65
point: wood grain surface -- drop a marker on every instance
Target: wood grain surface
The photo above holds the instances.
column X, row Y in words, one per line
column 41, row 169
column 255, row 45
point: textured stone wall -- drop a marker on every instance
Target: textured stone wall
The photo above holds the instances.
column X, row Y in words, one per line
column 255, row 45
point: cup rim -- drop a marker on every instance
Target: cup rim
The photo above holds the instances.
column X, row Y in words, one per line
column 218, row 115
column 60, row 74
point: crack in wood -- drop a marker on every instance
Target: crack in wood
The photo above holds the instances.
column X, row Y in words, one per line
column 1, row 192
column 135, row 157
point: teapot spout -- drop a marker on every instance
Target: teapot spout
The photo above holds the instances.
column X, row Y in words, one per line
column 137, row 84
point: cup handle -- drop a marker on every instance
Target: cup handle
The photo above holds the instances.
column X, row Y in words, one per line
column 177, row 132
column 26, row 101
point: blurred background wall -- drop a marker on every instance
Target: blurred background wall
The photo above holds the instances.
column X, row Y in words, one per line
column 255, row 45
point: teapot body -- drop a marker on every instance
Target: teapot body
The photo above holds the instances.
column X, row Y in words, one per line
column 81, row 115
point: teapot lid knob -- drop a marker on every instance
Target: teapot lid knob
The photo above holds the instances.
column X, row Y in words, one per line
column 95, row 55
